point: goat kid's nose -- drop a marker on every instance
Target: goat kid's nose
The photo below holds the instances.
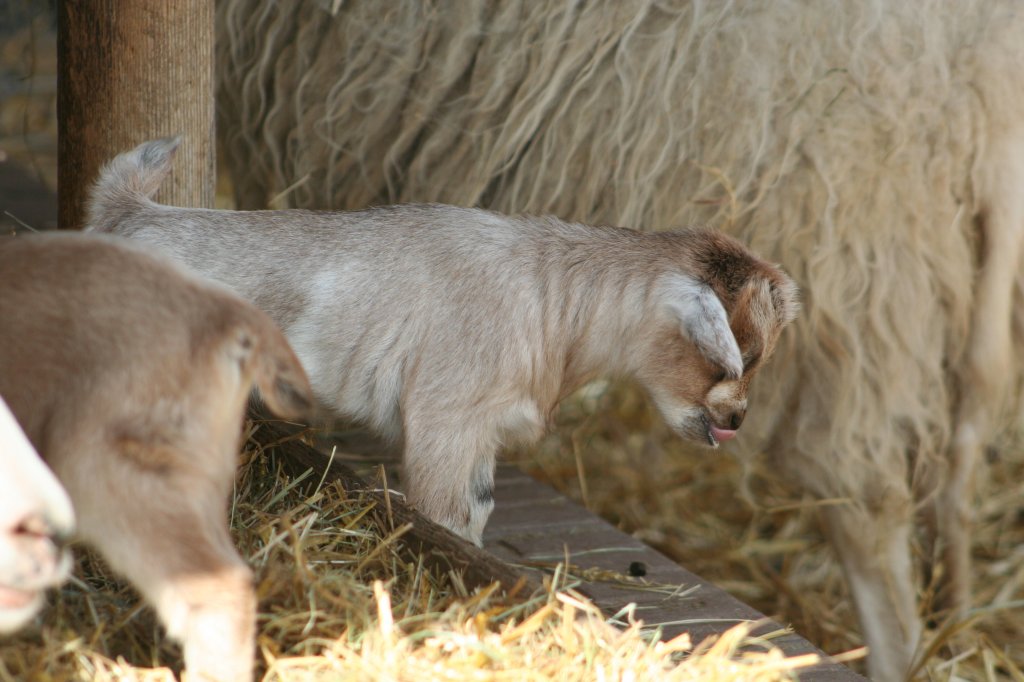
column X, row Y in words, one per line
column 737, row 419
column 40, row 525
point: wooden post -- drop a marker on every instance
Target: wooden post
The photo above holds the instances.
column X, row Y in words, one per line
column 129, row 71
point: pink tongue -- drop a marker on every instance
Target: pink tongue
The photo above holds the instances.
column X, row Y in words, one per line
column 722, row 434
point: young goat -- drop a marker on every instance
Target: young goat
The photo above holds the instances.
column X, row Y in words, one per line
column 461, row 329
column 131, row 378
column 35, row 516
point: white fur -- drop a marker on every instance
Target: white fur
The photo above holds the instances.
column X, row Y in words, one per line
column 35, row 516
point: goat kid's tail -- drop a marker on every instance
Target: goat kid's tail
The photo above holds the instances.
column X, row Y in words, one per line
column 128, row 182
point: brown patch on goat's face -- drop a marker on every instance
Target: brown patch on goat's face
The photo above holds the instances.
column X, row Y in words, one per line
column 155, row 457
column 724, row 263
column 731, row 270
column 679, row 378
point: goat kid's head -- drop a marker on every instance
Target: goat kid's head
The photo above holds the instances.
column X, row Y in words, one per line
column 699, row 362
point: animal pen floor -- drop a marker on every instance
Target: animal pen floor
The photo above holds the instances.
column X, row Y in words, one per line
column 533, row 525
column 535, row 530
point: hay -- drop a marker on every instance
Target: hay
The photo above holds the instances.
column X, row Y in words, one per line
column 340, row 599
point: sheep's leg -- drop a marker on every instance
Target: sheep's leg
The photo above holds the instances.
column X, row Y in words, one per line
column 988, row 369
column 167, row 534
column 449, row 472
column 953, row 515
column 874, row 551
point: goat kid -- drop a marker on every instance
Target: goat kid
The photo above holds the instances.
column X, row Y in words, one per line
column 35, row 519
column 459, row 330
column 130, row 377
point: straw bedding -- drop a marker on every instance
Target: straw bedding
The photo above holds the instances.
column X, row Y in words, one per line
column 339, row 599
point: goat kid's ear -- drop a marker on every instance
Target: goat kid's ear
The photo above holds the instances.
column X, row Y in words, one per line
column 786, row 298
column 704, row 321
column 276, row 371
column 767, row 305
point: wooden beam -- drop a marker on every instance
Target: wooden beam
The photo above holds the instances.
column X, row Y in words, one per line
column 128, row 71
column 534, row 525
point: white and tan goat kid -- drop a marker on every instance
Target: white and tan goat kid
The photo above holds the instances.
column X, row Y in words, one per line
column 459, row 330
column 35, row 519
column 131, row 377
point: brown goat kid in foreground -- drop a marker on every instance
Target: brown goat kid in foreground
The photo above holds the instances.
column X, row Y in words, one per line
column 131, row 378
column 459, row 330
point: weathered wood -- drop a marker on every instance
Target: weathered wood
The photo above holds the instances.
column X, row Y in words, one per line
column 128, row 71
column 534, row 525
column 438, row 545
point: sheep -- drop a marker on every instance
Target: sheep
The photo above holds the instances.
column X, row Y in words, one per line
column 873, row 148
column 130, row 376
column 35, row 520
column 457, row 330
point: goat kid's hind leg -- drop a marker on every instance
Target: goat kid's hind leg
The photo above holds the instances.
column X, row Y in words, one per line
column 449, row 474
column 873, row 547
column 168, row 535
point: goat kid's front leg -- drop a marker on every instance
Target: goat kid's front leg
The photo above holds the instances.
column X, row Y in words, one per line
column 213, row 615
column 449, row 474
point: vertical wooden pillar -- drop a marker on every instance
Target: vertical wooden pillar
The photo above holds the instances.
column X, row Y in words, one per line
column 129, row 71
